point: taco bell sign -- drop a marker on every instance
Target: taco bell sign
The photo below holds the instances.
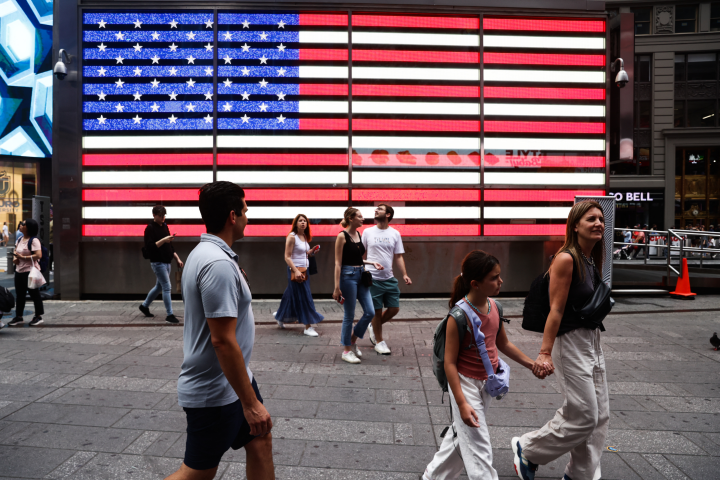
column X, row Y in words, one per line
column 632, row 196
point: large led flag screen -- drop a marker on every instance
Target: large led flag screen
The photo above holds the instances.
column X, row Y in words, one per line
column 467, row 125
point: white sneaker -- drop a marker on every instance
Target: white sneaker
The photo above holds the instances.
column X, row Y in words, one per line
column 310, row 332
column 2, row 325
column 382, row 348
column 350, row 357
column 280, row 324
column 372, row 335
column 357, row 350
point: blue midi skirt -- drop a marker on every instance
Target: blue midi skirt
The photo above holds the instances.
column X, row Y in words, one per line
column 297, row 304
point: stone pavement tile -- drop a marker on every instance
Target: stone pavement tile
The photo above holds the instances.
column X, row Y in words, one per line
column 115, row 383
column 142, row 442
column 637, row 388
column 285, row 452
column 503, row 464
column 689, row 404
column 708, row 388
column 681, row 422
column 550, row 400
column 514, row 417
column 629, row 403
column 393, row 458
column 82, row 348
column 95, row 416
column 652, row 442
column 282, row 378
column 299, row 339
column 159, row 420
column 373, row 412
column 23, row 393
column 665, row 467
column 147, row 361
column 71, row 465
column 704, row 442
column 170, row 402
column 401, row 397
column 75, row 437
column 11, row 377
column 108, row 466
column 270, row 366
column 677, row 368
column 110, row 398
column 236, row 471
column 652, row 356
column 640, row 465
column 7, row 408
column 25, row 462
column 162, row 443
column 326, row 394
column 366, row 432
column 691, row 377
column 291, row 408
column 133, row 371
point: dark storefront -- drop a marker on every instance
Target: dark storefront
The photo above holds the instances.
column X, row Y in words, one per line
column 643, row 207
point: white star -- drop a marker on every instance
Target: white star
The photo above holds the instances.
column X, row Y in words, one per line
column 173, row 47
column 137, row 95
column 263, row 83
column 190, row 83
column 137, row 23
column 102, row 120
column 281, row 24
column 173, row 71
column 281, row 72
column 155, row 59
column 264, row 35
column 281, row 96
column 246, row 24
column 137, row 71
column 155, row 36
column 263, row 59
column 102, row 71
column 281, row 47
column 119, row 60
column 245, row 47
column 227, row 59
column 208, row 119
column 227, row 35
column 227, row 82
column 209, row 24
column 281, row 119
column 246, row 96
column 190, row 60
column 155, row 83
column 172, row 118
column 102, row 47
column 137, row 119
column 137, row 47
column 208, row 96
column 119, row 108
column 263, row 107
column 227, row 107
column 208, row 71
column 190, row 107
column 155, row 107
column 120, row 36
column 208, row 47
column 101, row 96
column 245, row 118
column 190, row 36
column 102, row 23
column 173, row 24
column 245, row 71
column 173, row 96
column 119, row 83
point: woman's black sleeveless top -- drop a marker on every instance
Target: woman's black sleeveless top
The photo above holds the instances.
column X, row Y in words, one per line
column 580, row 292
column 353, row 251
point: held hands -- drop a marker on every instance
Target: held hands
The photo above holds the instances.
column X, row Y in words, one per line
column 543, row 366
column 259, row 419
column 469, row 415
column 407, row 280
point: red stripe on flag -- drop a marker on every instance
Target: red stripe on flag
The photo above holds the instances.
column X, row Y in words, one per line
column 543, row 93
column 425, row 195
column 415, row 22
column 542, row 59
column 537, row 25
column 322, row 19
column 296, row 194
column 323, row 89
column 524, row 230
column 541, row 127
column 319, row 159
column 413, row 56
column 323, row 54
column 323, row 124
column 535, row 161
column 382, row 158
column 191, row 194
column 537, row 195
column 138, row 230
column 415, row 125
column 141, row 159
column 416, row 90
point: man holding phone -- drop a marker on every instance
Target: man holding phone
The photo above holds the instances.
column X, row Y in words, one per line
column 160, row 251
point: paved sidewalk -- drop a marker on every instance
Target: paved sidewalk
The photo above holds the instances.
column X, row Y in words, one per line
column 91, row 395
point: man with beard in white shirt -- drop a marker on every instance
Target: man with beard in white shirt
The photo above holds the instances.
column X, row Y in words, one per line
column 384, row 245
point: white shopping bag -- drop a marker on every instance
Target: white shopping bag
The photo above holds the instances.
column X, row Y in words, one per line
column 35, row 279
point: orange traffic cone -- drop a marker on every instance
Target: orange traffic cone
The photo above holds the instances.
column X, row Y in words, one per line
column 682, row 289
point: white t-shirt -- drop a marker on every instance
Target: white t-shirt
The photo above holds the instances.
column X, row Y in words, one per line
column 381, row 247
column 299, row 253
column 5, row 230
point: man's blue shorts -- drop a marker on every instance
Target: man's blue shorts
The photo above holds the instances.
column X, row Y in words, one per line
column 212, row 431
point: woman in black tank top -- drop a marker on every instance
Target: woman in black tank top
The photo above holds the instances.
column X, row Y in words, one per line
column 580, row 426
column 349, row 267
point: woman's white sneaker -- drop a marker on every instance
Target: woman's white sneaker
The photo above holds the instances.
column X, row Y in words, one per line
column 310, row 332
column 350, row 357
column 371, row 335
column 358, row 353
column 382, row 348
column 280, row 324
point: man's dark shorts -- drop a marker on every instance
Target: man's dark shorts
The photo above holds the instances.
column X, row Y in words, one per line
column 212, row 431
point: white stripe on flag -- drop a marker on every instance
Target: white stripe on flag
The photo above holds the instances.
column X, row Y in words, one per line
column 415, row 178
column 433, row 39
column 527, row 212
column 539, row 110
column 547, row 144
column 399, row 73
column 310, row 71
column 134, row 213
column 543, row 178
column 281, row 141
column 422, row 143
column 323, row 37
column 323, row 107
column 147, row 177
column 417, row 108
column 143, row 142
column 512, row 41
column 558, row 76
column 245, row 177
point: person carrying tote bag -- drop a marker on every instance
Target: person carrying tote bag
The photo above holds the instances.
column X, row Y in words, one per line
column 26, row 263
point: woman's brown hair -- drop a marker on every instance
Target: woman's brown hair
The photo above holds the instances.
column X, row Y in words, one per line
column 475, row 266
column 349, row 214
column 308, row 235
column 571, row 245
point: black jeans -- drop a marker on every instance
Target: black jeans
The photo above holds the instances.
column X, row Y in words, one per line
column 21, row 289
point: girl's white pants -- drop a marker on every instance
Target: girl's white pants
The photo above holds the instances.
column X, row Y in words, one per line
column 471, row 448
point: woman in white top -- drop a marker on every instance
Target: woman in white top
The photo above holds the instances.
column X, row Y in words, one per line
column 26, row 258
column 297, row 303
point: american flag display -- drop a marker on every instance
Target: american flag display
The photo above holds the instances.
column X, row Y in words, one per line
column 311, row 112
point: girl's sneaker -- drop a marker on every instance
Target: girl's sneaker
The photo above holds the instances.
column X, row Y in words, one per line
column 36, row 321
column 524, row 468
column 15, row 321
column 357, row 350
column 350, row 357
column 280, row 324
column 310, row 332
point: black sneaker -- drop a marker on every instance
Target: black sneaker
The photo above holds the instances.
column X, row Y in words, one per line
column 146, row 311
column 15, row 321
column 36, row 321
column 172, row 319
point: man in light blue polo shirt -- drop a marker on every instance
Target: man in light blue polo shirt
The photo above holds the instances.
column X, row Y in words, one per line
column 216, row 388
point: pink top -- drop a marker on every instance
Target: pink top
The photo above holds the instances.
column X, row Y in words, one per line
column 469, row 362
column 22, row 249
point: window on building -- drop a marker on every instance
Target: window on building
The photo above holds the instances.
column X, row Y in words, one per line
column 685, row 18
column 679, row 114
column 715, row 16
column 642, row 68
column 701, row 113
column 697, row 198
column 642, row 20
column 642, row 114
column 701, row 66
column 696, row 95
column 640, row 164
column 679, row 68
